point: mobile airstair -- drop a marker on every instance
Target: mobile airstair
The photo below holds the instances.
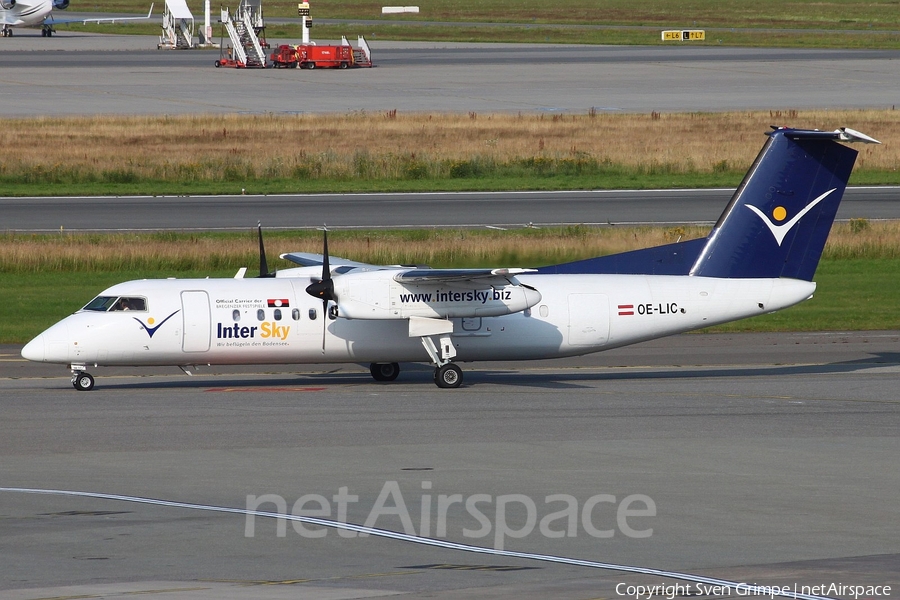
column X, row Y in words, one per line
column 177, row 26
column 362, row 56
column 245, row 50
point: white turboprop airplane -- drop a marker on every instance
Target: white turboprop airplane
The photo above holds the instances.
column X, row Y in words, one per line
column 760, row 257
column 38, row 13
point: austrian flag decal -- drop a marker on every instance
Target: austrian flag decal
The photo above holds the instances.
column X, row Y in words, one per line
column 626, row 309
column 279, row 303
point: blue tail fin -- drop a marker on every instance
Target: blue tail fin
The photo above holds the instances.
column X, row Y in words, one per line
column 779, row 218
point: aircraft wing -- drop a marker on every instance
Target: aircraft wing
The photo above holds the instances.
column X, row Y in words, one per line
column 310, row 259
column 54, row 21
column 456, row 275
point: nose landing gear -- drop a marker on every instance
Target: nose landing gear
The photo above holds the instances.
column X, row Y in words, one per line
column 82, row 381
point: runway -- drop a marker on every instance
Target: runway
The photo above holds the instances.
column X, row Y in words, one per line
column 768, row 458
column 74, row 73
column 452, row 209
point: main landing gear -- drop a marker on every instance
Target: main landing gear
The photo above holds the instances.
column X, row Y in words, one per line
column 384, row 371
column 448, row 376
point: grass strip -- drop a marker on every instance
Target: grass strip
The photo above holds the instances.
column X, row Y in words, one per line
column 391, row 151
column 45, row 277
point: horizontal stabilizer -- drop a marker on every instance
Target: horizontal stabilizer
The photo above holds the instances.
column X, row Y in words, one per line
column 842, row 134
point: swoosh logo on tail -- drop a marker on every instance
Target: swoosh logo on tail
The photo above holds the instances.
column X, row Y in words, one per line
column 780, row 231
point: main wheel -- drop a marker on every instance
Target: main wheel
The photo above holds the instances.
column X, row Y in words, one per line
column 218, row 63
column 448, row 376
column 83, row 382
column 310, row 65
column 384, row 371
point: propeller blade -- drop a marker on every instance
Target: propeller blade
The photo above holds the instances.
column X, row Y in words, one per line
column 326, row 270
column 324, row 288
column 324, row 322
column 329, row 283
column 263, row 265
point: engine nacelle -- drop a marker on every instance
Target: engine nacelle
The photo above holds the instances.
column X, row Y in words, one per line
column 7, row 4
column 373, row 295
column 61, row 4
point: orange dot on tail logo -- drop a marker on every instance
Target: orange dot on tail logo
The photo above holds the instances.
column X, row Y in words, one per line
column 150, row 321
column 779, row 213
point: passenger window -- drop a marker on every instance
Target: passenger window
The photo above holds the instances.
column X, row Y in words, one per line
column 260, row 315
column 295, row 314
column 277, row 314
column 545, row 310
column 312, row 314
column 236, row 315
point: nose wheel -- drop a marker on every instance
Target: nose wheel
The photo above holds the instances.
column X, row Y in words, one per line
column 83, row 382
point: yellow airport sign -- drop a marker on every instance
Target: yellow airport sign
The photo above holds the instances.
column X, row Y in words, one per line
column 683, row 35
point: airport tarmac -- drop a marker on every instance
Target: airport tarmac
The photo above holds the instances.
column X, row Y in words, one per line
column 768, row 458
column 398, row 210
column 77, row 73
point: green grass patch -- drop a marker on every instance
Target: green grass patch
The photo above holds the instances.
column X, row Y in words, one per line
column 858, row 294
column 485, row 180
column 793, row 14
column 29, row 303
column 541, row 33
column 324, row 186
column 805, row 23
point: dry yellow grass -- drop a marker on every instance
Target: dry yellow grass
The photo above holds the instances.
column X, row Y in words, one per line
column 193, row 147
column 169, row 253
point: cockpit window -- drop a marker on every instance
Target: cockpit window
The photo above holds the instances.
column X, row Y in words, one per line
column 116, row 303
column 101, row 303
column 127, row 303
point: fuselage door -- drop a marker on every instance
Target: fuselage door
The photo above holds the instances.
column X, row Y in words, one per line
column 588, row 319
column 197, row 328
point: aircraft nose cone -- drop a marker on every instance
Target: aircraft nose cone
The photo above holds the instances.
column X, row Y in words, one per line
column 34, row 350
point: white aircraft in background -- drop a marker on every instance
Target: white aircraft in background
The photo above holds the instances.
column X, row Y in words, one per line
column 760, row 257
column 38, row 13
